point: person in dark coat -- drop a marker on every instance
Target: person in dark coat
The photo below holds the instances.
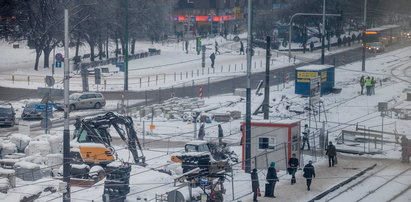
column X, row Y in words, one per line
column 254, row 183
column 220, row 134
column 293, row 164
column 212, row 58
column 242, row 48
column 201, row 132
column 186, row 47
column 309, row 173
column 331, row 153
column 312, row 46
column 216, row 48
column 77, row 126
column 271, row 179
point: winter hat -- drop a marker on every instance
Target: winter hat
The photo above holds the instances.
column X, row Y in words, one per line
column 272, row 164
column 310, row 161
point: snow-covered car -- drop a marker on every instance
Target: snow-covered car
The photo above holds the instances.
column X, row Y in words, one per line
column 86, row 100
column 7, row 114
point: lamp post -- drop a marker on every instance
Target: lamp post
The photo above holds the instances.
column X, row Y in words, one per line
column 363, row 36
column 248, row 91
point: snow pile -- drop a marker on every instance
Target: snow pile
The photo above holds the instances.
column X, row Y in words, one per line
column 7, row 147
column 53, row 162
column 56, row 144
column 20, row 140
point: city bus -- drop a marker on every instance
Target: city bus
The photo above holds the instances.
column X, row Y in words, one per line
column 387, row 35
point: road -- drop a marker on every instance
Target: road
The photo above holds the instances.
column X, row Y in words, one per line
column 215, row 88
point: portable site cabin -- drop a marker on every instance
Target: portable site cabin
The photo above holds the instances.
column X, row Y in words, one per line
column 272, row 141
column 305, row 73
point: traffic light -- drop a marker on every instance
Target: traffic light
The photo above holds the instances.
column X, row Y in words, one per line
column 97, row 76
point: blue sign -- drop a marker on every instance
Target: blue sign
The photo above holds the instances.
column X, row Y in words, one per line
column 59, row 57
column 41, row 107
column 210, row 19
column 120, row 65
column 58, row 64
column 192, row 19
column 204, row 182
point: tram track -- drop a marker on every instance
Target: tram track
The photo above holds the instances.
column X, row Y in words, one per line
column 380, row 182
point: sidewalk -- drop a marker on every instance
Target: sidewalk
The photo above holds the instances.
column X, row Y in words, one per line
column 325, row 178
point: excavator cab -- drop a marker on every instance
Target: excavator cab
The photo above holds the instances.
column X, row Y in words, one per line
column 93, row 142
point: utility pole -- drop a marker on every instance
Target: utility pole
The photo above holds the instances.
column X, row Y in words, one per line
column 363, row 36
column 248, row 92
column 266, row 103
column 66, row 131
column 126, row 46
column 323, row 35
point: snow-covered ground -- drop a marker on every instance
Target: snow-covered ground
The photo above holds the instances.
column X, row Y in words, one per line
column 343, row 111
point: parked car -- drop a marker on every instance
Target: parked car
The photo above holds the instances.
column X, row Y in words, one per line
column 86, row 100
column 7, row 115
column 30, row 111
column 376, row 47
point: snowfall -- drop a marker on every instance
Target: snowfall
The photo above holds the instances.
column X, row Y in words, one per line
column 387, row 181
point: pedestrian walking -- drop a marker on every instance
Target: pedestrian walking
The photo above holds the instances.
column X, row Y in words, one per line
column 186, row 47
column 212, row 58
column 306, row 134
column 373, row 82
column 272, row 179
column 331, row 153
column 312, row 46
column 242, row 48
column 255, row 184
column 293, row 164
column 309, row 173
column 405, row 149
column 362, row 83
column 368, row 85
column 216, row 48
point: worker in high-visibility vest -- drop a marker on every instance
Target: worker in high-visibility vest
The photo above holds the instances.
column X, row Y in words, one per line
column 368, row 85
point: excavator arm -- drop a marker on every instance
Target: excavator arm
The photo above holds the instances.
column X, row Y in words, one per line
column 128, row 135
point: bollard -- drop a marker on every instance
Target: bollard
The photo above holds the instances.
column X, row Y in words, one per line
column 12, row 78
column 148, row 81
column 221, row 68
column 164, row 78
column 28, row 80
column 156, row 79
column 235, row 68
column 198, row 72
column 208, row 70
column 140, row 82
column 105, row 83
column 186, row 74
column 174, row 76
column 229, row 68
column 241, row 66
column 181, row 75
column 261, row 63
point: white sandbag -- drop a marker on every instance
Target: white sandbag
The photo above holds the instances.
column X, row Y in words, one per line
column 20, row 140
column 7, row 147
column 56, row 144
column 38, row 147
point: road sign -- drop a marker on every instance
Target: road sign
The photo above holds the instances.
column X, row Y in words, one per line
column 58, row 64
column 315, row 90
column 203, row 182
column 49, row 81
column 59, row 57
column 41, row 107
column 152, row 127
column 45, row 123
